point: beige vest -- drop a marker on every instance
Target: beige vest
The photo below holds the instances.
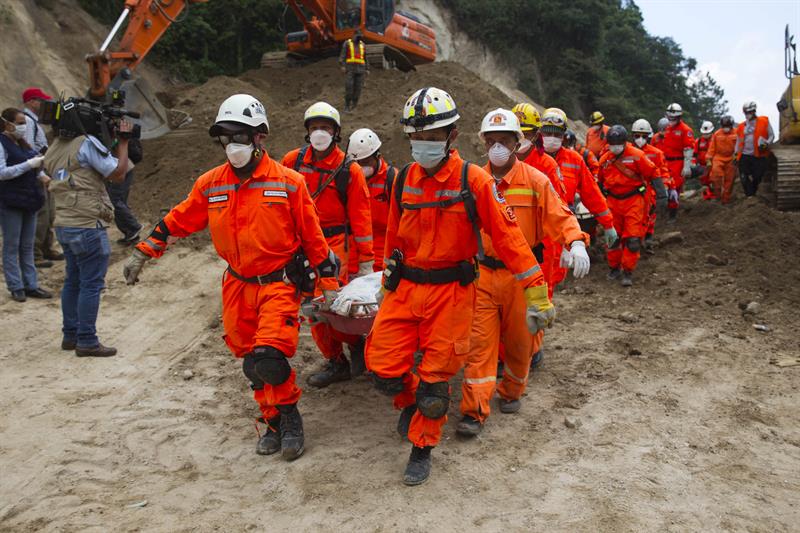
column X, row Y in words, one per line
column 79, row 193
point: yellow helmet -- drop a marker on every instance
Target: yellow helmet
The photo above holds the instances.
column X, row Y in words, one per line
column 596, row 118
column 528, row 116
column 554, row 119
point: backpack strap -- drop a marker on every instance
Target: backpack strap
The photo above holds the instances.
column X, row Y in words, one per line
column 396, row 186
column 35, row 125
column 300, row 156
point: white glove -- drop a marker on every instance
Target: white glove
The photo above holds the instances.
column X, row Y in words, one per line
column 133, row 266
column 36, row 162
column 673, row 195
column 610, row 235
column 566, row 259
column 580, row 258
column 686, row 172
column 365, row 268
column 329, row 298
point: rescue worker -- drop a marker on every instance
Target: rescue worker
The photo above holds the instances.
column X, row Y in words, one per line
column 530, row 150
column 596, row 136
column 678, row 148
column 500, row 307
column 720, row 160
column 642, row 133
column 439, row 203
column 625, row 173
column 571, row 141
column 263, row 223
column 364, row 148
column 578, row 180
column 753, row 137
column 585, row 219
column 658, row 138
column 340, row 194
column 353, row 61
column 700, row 150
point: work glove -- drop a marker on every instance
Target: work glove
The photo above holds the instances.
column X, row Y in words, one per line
column 36, row 162
column 611, row 236
column 133, row 266
column 365, row 267
column 673, row 195
column 762, row 144
column 328, row 298
column 580, row 259
column 686, row 172
column 540, row 313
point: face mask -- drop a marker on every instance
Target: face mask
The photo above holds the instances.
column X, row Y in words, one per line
column 749, row 116
column 597, row 127
column 498, row 155
column 428, row 153
column 616, row 149
column 551, row 144
column 640, row 141
column 239, row 154
column 524, row 146
column 368, row 171
column 320, row 140
column 673, row 121
column 19, row 130
column 726, row 129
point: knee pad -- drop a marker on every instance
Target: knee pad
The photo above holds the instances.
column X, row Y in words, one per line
column 249, row 370
column 433, row 399
column 388, row 386
column 271, row 365
column 634, row 244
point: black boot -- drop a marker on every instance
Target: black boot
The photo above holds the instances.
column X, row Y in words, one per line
column 335, row 370
column 469, row 427
column 404, row 422
column 292, row 440
column 270, row 442
column 537, row 359
column 357, row 365
column 418, row 468
column 627, row 279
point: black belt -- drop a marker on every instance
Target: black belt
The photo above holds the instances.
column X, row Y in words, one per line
column 675, row 159
column 464, row 273
column 491, row 262
column 331, row 231
column 634, row 192
column 272, row 277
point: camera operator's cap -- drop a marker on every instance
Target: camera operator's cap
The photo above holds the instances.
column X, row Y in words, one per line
column 240, row 109
column 34, row 93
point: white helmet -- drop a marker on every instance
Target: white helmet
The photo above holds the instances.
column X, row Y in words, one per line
column 749, row 106
column 322, row 110
column 241, row 109
column 501, row 120
column 662, row 123
column 363, row 143
column 674, row 111
column 706, row 127
column 428, row 109
column 642, row 126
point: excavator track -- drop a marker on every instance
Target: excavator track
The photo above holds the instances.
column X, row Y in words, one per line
column 275, row 60
column 785, row 178
column 381, row 56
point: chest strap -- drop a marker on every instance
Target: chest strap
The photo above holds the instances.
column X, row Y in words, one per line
column 465, row 273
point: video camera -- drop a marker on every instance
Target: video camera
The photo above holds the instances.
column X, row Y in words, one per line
column 81, row 116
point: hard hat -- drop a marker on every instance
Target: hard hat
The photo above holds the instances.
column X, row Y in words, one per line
column 554, row 120
column 749, row 107
column 570, row 139
column 428, row 109
column 674, row 111
column 706, row 127
column 726, row 121
column 596, row 118
column 528, row 115
column 241, row 109
column 322, row 110
column 642, row 126
column 617, row 134
column 363, row 143
column 501, row 120
column 662, row 123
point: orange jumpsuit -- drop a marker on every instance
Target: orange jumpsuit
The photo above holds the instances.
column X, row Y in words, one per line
column 544, row 163
column 656, row 157
column 436, row 319
column 500, row 308
column 676, row 139
column 379, row 209
column 590, row 159
column 626, row 198
column 720, row 153
column 336, row 220
column 237, row 213
column 596, row 140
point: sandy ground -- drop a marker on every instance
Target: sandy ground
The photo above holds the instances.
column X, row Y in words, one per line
column 682, row 423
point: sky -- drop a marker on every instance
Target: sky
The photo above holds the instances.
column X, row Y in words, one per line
column 739, row 42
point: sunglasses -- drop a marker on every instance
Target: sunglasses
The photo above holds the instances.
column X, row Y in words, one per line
column 237, row 138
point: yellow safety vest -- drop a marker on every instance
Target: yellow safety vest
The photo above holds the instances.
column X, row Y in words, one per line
column 352, row 57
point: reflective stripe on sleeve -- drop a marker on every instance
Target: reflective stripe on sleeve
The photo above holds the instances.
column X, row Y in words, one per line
column 528, row 273
column 366, row 238
column 479, row 381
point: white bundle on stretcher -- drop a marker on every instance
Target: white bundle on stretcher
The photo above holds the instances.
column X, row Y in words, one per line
column 361, row 290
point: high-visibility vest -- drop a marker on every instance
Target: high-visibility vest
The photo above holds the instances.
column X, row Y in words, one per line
column 352, row 56
column 761, row 132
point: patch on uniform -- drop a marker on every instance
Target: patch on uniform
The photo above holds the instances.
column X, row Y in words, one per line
column 61, row 174
column 217, row 198
column 497, row 194
column 276, row 194
column 510, row 215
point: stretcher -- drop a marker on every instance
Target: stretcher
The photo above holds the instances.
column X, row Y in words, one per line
column 359, row 322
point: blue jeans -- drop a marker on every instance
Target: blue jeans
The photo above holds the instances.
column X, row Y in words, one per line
column 19, row 234
column 123, row 216
column 86, row 251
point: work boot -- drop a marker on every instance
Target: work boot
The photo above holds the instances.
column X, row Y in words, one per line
column 418, row 468
column 97, row 351
column 509, row 406
column 649, row 245
column 615, row 273
column 335, row 370
column 292, row 440
column 500, row 369
column 42, row 263
column 270, row 441
column 38, row 293
column 357, row 364
column 18, row 296
column 673, row 216
column 537, row 359
column 69, row 345
column 469, row 427
column 404, row 422
column 627, row 279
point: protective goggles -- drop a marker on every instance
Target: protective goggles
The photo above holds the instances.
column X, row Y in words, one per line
column 641, row 135
column 237, row 138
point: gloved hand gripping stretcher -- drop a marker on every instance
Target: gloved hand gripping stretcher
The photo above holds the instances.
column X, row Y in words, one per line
column 354, row 309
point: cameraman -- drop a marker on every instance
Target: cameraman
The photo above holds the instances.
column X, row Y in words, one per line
column 118, row 192
column 80, row 166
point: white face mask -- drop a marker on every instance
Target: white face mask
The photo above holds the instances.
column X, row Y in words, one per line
column 616, row 149
column 428, row 153
column 239, row 154
column 726, row 129
column 368, row 171
column 640, row 141
column 320, row 140
column 19, row 130
column 597, row 127
column 524, row 146
column 551, row 144
column 498, row 155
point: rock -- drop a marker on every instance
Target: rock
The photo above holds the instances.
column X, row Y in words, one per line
column 187, row 374
column 634, row 351
column 712, row 259
column 761, row 327
column 753, row 308
column 571, row 422
column 673, row 237
column 628, row 317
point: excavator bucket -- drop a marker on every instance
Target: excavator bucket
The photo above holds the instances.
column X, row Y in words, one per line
column 155, row 118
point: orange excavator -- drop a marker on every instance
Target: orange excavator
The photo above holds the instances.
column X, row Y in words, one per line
column 395, row 39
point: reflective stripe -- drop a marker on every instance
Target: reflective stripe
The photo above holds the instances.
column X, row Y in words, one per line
column 525, row 192
column 412, row 190
column 363, row 239
column 273, row 184
column 604, row 213
column 530, row 272
column 512, row 376
column 479, row 381
column 448, row 193
column 376, row 186
column 352, row 57
column 154, row 245
column 570, row 165
column 221, row 188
